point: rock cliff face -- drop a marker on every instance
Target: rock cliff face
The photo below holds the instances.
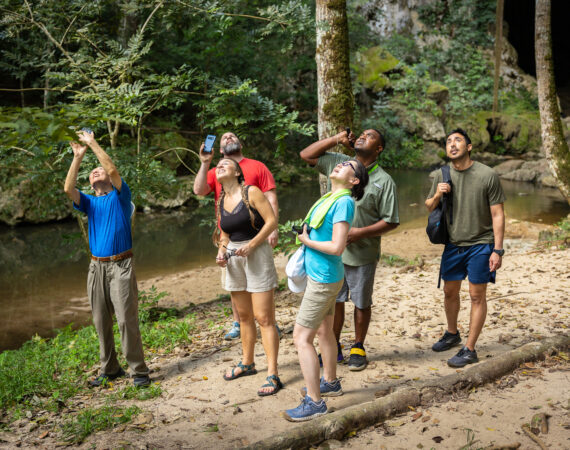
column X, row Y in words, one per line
column 509, row 140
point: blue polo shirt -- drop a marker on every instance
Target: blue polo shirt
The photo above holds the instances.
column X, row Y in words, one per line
column 322, row 267
column 109, row 221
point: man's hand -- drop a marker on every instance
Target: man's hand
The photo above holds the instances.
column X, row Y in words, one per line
column 78, row 149
column 354, row 234
column 442, row 188
column 206, row 157
column 86, row 137
column 495, row 262
column 273, row 238
column 345, row 139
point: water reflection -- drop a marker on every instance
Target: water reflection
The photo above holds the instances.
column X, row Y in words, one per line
column 43, row 270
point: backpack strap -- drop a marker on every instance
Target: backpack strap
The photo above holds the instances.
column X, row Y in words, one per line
column 448, row 199
column 447, row 206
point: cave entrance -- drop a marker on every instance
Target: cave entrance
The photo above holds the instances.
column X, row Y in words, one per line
column 519, row 14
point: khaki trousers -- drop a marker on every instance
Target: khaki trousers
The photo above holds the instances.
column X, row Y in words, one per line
column 112, row 288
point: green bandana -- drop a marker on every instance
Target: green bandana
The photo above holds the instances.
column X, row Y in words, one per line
column 321, row 208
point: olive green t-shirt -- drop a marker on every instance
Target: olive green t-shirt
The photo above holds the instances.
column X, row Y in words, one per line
column 380, row 201
column 474, row 191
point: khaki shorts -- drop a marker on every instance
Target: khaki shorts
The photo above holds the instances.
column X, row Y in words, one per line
column 253, row 273
column 318, row 302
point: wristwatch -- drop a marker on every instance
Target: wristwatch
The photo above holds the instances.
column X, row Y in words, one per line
column 499, row 252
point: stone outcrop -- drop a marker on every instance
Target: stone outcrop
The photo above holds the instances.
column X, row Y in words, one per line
column 21, row 204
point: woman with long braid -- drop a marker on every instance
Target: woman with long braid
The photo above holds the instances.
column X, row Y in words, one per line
column 324, row 235
column 246, row 219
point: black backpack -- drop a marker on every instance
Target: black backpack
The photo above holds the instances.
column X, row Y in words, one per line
column 437, row 225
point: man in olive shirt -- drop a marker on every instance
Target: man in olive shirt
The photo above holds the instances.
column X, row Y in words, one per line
column 476, row 241
column 376, row 213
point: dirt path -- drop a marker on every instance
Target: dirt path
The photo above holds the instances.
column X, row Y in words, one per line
column 198, row 409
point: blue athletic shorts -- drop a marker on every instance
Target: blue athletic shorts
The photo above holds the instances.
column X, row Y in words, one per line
column 473, row 261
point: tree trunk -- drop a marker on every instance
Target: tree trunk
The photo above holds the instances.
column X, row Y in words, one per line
column 553, row 142
column 498, row 52
column 334, row 88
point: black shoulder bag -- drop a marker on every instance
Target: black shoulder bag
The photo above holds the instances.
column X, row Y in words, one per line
column 437, row 225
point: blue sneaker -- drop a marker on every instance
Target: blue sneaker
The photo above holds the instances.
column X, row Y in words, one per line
column 328, row 389
column 464, row 357
column 446, row 342
column 307, row 410
column 234, row 332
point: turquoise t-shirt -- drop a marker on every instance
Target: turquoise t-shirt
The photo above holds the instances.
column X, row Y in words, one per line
column 320, row 266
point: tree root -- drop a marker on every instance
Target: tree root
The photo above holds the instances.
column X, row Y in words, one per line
column 337, row 424
column 533, row 436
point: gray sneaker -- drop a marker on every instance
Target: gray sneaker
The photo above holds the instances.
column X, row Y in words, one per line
column 446, row 342
column 463, row 357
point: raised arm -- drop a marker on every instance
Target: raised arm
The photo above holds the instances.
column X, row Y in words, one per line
column 71, row 179
column 104, row 159
column 201, row 186
column 313, row 152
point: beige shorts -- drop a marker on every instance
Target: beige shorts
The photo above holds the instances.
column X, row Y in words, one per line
column 318, row 302
column 253, row 273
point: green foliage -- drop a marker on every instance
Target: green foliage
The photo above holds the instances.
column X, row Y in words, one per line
column 466, row 21
column 116, row 67
column 287, row 238
column 91, row 420
column 47, row 372
column 135, row 393
column 401, row 149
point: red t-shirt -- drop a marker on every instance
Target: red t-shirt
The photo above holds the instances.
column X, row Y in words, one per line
column 255, row 173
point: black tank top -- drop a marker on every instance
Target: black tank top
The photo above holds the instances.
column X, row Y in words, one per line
column 238, row 222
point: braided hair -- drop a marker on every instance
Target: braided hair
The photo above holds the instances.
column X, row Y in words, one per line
column 244, row 197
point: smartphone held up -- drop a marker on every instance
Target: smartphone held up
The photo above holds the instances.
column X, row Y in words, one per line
column 209, row 143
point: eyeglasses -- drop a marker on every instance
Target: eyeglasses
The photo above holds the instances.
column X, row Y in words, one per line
column 347, row 163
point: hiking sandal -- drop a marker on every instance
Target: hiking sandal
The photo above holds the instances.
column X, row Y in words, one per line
column 246, row 370
column 272, row 381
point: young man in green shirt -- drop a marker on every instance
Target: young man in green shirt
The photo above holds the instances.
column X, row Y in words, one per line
column 475, row 247
column 376, row 214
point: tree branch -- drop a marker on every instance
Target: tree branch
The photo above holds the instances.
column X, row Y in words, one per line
column 71, row 23
column 248, row 16
column 150, row 16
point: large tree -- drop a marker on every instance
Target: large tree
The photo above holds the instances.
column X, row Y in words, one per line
column 334, row 88
column 553, row 142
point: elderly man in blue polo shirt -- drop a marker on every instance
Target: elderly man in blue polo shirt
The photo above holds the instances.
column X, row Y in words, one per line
column 111, row 282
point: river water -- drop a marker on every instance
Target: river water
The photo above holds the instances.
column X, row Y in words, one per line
column 43, row 268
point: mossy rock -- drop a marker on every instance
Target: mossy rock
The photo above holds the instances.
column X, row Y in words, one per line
column 518, row 133
column 476, row 127
column 432, row 156
column 438, row 93
column 371, row 66
column 30, row 203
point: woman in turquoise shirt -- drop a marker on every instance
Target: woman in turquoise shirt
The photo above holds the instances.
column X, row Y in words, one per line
column 328, row 222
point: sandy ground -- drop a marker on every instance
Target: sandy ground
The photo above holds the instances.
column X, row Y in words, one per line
column 198, row 409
